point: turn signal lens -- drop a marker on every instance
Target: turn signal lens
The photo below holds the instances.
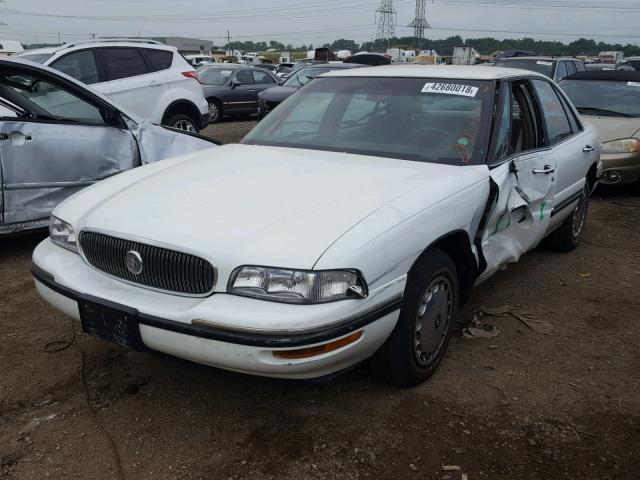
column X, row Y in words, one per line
column 318, row 349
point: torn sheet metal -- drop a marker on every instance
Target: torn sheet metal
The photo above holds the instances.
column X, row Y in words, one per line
column 43, row 163
column 520, row 215
column 158, row 143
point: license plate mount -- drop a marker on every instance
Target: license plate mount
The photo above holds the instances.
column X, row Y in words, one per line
column 111, row 322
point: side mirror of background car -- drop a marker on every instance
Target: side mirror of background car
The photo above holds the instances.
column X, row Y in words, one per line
column 235, row 82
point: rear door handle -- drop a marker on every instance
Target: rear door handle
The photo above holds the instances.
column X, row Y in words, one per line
column 546, row 170
column 588, row 148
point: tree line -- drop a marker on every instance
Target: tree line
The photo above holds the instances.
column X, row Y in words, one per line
column 485, row 46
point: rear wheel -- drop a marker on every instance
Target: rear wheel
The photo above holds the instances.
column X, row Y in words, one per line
column 420, row 339
column 215, row 110
column 182, row 122
column 567, row 237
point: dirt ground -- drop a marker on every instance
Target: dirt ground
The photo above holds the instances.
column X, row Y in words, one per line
column 522, row 405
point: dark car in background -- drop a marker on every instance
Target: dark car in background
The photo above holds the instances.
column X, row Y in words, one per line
column 233, row 89
column 555, row 68
column 610, row 100
column 267, row 66
column 270, row 98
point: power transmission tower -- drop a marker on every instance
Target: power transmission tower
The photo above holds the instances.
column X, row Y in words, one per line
column 419, row 23
column 386, row 21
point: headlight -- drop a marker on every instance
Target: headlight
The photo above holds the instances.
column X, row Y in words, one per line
column 626, row 145
column 296, row 286
column 62, row 234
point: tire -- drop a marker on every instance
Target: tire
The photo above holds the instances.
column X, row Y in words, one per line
column 409, row 356
column 182, row 122
column 568, row 235
column 215, row 110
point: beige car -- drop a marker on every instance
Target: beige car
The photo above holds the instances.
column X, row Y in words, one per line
column 611, row 101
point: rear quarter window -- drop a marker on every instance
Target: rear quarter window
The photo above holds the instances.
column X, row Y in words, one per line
column 122, row 62
column 157, row 59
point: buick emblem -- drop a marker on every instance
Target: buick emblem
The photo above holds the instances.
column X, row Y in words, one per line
column 133, row 261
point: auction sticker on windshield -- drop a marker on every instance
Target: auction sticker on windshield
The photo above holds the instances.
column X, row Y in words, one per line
column 450, row 89
column 541, row 62
column 633, row 84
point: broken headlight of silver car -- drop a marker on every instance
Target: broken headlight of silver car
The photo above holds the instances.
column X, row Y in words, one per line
column 61, row 233
column 296, row 286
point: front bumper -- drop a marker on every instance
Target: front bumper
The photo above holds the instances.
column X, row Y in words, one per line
column 230, row 332
column 625, row 166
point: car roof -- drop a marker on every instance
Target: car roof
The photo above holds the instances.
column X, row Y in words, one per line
column 104, row 44
column 537, row 57
column 612, row 75
column 333, row 65
column 458, row 72
column 226, row 66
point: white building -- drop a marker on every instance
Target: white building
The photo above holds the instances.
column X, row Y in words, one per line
column 9, row 47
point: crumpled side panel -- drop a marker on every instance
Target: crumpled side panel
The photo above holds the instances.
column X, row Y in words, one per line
column 42, row 164
column 158, row 143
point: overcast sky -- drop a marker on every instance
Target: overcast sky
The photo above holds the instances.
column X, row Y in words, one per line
column 307, row 21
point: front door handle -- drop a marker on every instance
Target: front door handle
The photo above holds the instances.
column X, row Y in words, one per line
column 546, row 170
column 252, row 89
column 588, row 148
column 17, row 138
column 154, row 83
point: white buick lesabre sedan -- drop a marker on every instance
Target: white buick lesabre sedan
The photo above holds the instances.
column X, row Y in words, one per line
column 351, row 223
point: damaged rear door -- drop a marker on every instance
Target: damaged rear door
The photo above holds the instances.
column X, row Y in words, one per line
column 55, row 138
column 523, row 180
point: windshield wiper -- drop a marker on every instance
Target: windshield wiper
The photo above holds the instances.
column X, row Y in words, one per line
column 602, row 111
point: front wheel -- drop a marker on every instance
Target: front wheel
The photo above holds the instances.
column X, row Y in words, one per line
column 420, row 339
column 568, row 235
column 215, row 111
column 182, row 122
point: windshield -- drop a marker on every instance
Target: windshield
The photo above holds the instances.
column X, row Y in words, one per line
column 427, row 120
column 301, row 76
column 36, row 57
column 544, row 67
column 214, row 76
column 617, row 97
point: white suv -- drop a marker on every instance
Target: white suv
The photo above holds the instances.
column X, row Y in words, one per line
column 148, row 78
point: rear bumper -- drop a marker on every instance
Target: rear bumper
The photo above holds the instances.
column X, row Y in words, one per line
column 237, row 349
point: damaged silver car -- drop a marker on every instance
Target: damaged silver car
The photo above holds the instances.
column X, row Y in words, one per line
column 57, row 137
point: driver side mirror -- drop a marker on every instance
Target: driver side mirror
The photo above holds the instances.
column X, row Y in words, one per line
column 235, row 82
column 112, row 117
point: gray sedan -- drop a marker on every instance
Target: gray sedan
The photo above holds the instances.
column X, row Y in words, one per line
column 233, row 89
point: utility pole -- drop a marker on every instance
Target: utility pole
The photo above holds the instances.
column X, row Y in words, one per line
column 419, row 23
column 385, row 16
column 59, row 42
column 93, row 35
column 229, row 52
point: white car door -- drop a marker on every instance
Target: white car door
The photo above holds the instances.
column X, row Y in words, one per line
column 523, row 175
column 130, row 82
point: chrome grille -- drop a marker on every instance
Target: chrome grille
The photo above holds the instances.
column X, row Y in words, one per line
column 163, row 269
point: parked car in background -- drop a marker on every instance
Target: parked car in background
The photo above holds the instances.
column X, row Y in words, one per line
column 599, row 66
column 611, row 101
column 284, row 69
column 58, row 136
column 356, row 221
column 267, row 66
column 633, row 62
column 269, row 99
column 146, row 77
column 233, row 89
column 370, row 59
column 198, row 60
column 555, row 68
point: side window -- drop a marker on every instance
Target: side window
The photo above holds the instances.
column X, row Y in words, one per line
column 262, row 77
column 573, row 120
column 79, row 65
column 571, row 68
column 503, row 124
column 561, row 71
column 555, row 118
column 244, row 77
column 157, row 59
column 580, row 66
column 122, row 62
column 46, row 101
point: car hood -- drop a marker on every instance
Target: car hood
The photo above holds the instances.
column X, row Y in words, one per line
column 614, row 128
column 244, row 204
column 277, row 94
